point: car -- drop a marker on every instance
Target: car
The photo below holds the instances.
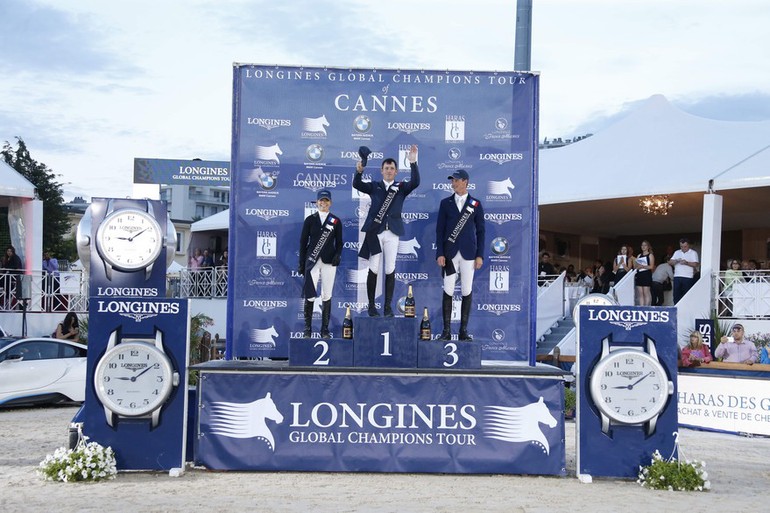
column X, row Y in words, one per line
column 41, row 370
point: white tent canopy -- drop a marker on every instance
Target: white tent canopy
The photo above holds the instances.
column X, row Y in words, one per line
column 657, row 149
column 13, row 184
column 219, row 221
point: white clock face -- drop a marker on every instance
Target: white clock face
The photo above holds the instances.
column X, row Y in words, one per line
column 129, row 239
column 594, row 299
column 629, row 386
column 133, row 378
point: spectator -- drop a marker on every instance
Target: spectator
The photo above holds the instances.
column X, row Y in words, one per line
column 733, row 274
column 222, row 262
column 621, row 264
column 12, row 265
column 662, row 278
column 208, row 260
column 685, row 261
column 644, row 264
column 50, row 280
column 764, row 357
column 196, row 260
column 602, row 280
column 586, row 278
column 735, row 349
column 69, row 328
column 545, row 268
column 695, row 352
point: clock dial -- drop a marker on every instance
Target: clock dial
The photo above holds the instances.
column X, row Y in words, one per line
column 594, row 299
column 629, row 386
column 133, row 378
column 129, row 239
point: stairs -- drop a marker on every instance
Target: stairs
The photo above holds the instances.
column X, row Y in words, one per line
column 554, row 335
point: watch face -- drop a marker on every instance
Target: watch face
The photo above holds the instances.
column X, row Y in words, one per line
column 629, row 386
column 133, row 378
column 594, row 299
column 129, row 239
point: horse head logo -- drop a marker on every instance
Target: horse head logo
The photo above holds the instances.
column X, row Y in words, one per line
column 522, row 424
column 501, row 187
column 357, row 275
column 268, row 153
column 315, row 124
column 408, row 247
column 245, row 420
column 264, row 336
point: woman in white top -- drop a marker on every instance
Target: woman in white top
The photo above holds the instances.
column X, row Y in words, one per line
column 644, row 265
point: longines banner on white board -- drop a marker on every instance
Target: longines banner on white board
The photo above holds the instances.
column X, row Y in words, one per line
column 298, row 130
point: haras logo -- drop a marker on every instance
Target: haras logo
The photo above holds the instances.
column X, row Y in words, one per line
column 499, row 278
column 267, row 244
column 501, row 158
column 138, row 310
column 454, row 129
column 314, row 127
column 268, row 123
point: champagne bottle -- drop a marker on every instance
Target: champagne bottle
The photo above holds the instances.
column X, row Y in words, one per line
column 347, row 325
column 425, row 325
column 409, row 309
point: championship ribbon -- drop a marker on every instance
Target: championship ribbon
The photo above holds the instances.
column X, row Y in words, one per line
column 309, row 288
column 371, row 244
column 449, row 268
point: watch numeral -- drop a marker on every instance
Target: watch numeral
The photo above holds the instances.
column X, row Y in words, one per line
column 655, row 386
column 134, row 352
column 106, row 379
column 608, row 399
column 630, row 413
column 604, row 387
column 644, row 410
column 617, row 409
column 160, row 379
column 155, row 392
column 112, row 366
column 608, row 374
column 617, row 364
column 132, row 405
column 110, row 391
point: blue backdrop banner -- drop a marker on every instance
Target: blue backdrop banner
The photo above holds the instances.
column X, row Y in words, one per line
column 381, row 423
column 298, row 130
column 181, row 172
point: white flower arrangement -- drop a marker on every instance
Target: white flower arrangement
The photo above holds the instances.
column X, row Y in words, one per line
column 674, row 474
column 88, row 461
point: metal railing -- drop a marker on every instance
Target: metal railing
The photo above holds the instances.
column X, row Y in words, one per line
column 208, row 282
column 64, row 291
column 743, row 296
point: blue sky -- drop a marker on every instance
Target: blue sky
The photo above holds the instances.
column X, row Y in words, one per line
column 91, row 84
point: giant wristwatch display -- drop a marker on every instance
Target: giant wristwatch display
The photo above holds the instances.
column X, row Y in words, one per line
column 134, row 378
column 629, row 385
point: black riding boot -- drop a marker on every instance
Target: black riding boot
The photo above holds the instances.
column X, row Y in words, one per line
column 390, row 284
column 465, row 312
column 446, row 313
column 326, row 312
column 308, row 319
column 371, row 289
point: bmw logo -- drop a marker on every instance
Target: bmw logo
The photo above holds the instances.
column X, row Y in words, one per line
column 362, row 124
column 401, row 304
column 265, row 270
column 454, row 153
column 501, row 123
column 500, row 246
column 268, row 182
column 498, row 335
column 315, row 152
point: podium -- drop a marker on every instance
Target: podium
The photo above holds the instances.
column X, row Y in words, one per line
column 385, row 342
column 321, row 352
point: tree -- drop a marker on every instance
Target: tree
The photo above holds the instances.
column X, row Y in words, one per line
column 55, row 222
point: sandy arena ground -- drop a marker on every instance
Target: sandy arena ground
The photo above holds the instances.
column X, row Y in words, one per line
column 738, row 468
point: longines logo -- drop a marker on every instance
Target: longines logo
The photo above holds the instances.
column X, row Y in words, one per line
column 408, row 127
column 138, row 310
column 267, row 155
column 268, row 123
column 500, row 190
column 317, row 181
column 127, row 291
column 411, row 277
column 266, row 213
column 502, row 218
column 501, row 158
column 264, row 304
column 498, row 308
column 628, row 318
column 357, row 307
column 353, row 155
column 355, row 246
column 409, row 217
column 447, row 186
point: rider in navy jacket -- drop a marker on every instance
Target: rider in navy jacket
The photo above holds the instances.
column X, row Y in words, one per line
column 459, row 249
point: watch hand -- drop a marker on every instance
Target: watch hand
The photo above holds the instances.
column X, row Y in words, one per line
column 145, row 370
column 137, row 234
column 629, row 387
column 125, row 379
column 632, row 385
